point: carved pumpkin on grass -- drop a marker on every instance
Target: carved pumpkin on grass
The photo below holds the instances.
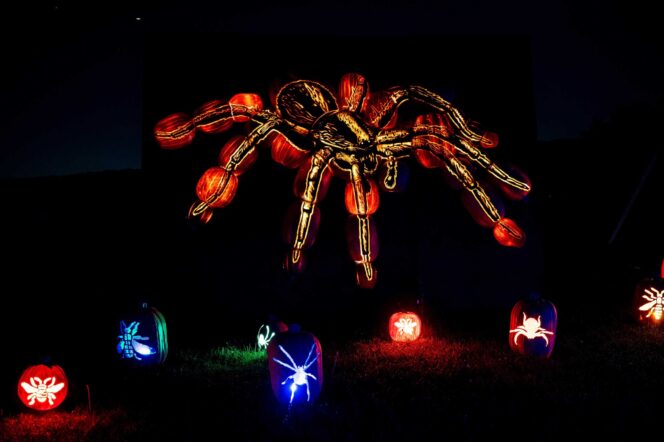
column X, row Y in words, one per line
column 43, row 388
column 405, row 326
column 649, row 300
column 142, row 338
column 533, row 325
column 295, row 361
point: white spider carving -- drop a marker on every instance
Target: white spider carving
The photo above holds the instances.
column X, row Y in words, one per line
column 300, row 375
column 531, row 329
column 42, row 390
column 406, row 325
column 264, row 338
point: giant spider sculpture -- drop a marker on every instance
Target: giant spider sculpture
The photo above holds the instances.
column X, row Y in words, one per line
column 355, row 135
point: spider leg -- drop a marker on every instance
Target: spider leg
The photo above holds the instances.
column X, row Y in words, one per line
column 178, row 130
column 307, row 365
column 506, row 231
column 310, row 186
column 292, row 367
column 287, row 379
column 423, row 95
column 292, row 391
column 516, row 337
column 362, row 201
column 289, row 357
column 439, row 138
column 308, row 394
column 353, row 90
column 382, row 112
column 216, row 187
column 546, row 340
column 311, row 350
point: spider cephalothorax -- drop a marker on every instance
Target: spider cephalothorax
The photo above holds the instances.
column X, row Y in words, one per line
column 355, row 135
column 531, row 328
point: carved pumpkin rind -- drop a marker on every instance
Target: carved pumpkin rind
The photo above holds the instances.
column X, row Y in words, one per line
column 533, row 327
column 143, row 337
column 404, row 327
column 43, row 388
column 300, row 348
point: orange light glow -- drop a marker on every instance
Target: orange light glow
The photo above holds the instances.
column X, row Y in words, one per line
column 654, row 305
column 286, row 153
column 226, row 154
column 301, row 182
column 356, row 134
column 175, row 131
column 209, row 111
column 489, row 140
column 533, row 327
column 216, row 187
column 42, row 388
column 354, row 207
column 508, row 233
column 428, row 159
column 252, row 103
column 353, row 89
column 512, row 192
column 405, row 327
column 476, row 211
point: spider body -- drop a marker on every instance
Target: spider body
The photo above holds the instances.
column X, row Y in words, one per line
column 531, row 328
column 300, row 376
column 354, row 135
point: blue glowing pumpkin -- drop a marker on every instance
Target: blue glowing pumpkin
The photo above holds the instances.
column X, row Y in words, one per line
column 295, row 360
column 142, row 338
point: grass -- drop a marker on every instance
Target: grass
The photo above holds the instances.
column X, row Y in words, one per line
column 603, row 379
column 79, row 424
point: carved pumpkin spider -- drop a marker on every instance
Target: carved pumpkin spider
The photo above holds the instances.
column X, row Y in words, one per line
column 353, row 136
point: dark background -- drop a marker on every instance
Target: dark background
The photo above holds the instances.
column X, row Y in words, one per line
column 94, row 213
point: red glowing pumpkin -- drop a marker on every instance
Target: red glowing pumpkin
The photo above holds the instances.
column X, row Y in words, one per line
column 533, row 326
column 42, row 388
column 405, row 326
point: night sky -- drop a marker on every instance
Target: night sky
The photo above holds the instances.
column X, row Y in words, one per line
column 73, row 89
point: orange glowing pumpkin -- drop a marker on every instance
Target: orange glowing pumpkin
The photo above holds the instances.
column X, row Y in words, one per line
column 649, row 300
column 405, row 326
column 42, row 388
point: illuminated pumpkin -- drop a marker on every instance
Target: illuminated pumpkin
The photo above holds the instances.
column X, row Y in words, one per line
column 405, row 326
column 649, row 300
column 143, row 337
column 295, row 360
column 533, row 326
column 267, row 331
column 43, row 388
